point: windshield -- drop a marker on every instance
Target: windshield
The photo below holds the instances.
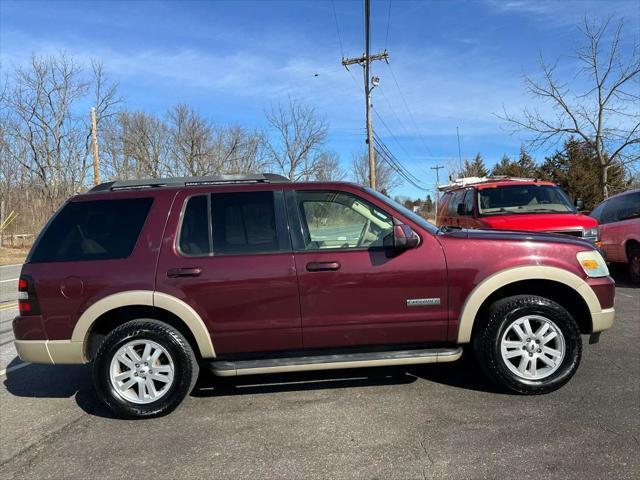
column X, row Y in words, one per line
column 529, row 198
column 404, row 211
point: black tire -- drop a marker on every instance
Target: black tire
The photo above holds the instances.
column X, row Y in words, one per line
column 501, row 315
column 185, row 364
column 634, row 264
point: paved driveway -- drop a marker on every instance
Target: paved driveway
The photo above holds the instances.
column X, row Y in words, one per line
column 436, row 421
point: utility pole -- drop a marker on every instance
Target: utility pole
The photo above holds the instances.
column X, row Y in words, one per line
column 94, row 139
column 437, row 169
column 369, row 85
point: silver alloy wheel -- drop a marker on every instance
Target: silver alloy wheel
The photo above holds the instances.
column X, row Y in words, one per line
column 532, row 347
column 141, row 371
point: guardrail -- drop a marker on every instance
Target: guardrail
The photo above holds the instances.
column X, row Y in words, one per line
column 17, row 240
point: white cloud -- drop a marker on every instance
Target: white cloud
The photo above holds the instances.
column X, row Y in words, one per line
column 555, row 13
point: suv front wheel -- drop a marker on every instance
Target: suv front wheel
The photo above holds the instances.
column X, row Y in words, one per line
column 530, row 344
column 144, row 368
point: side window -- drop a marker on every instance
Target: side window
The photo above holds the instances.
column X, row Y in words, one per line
column 456, row 199
column 195, row 239
column 597, row 212
column 629, row 206
column 609, row 212
column 341, row 220
column 245, row 222
column 444, row 204
column 468, row 202
column 93, row 230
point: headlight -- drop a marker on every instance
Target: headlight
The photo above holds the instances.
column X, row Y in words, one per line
column 591, row 233
column 592, row 263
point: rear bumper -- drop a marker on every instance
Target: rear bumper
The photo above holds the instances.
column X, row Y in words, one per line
column 50, row 351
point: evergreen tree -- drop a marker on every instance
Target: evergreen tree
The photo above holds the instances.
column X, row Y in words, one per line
column 577, row 172
column 505, row 167
column 524, row 167
column 475, row 168
column 527, row 167
column 427, row 206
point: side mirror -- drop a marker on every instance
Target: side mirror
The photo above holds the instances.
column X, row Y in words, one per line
column 580, row 204
column 404, row 238
column 461, row 209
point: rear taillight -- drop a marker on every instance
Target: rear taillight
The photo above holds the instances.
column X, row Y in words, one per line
column 27, row 299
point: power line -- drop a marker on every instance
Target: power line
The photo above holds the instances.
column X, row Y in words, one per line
column 384, row 124
column 394, row 113
column 335, row 16
column 380, row 153
column 395, row 159
column 413, row 120
column 389, row 161
column 392, row 160
column 386, row 40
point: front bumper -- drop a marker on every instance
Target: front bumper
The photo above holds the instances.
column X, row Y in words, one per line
column 50, row 351
column 603, row 320
column 604, row 289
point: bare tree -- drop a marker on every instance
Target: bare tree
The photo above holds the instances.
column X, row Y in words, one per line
column 328, row 167
column 386, row 177
column 146, row 143
column 45, row 135
column 606, row 116
column 298, row 135
column 105, row 98
column 44, row 132
column 190, row 142
column 238, row 150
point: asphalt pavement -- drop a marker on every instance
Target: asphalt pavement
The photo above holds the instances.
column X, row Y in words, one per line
column 434, row 421
column 8, row 309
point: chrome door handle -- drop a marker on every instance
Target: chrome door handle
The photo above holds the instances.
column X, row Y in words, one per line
column 184, row 272
column 323, row 266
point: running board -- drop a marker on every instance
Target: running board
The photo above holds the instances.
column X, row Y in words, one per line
column 224, row 368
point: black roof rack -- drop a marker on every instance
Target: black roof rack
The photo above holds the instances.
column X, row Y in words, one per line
column 188, row 181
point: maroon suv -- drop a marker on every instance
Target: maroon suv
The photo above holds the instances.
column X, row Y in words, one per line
column 252, row 274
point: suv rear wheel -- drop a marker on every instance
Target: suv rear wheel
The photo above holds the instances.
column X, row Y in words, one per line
column 144, row 369
column 530, row 344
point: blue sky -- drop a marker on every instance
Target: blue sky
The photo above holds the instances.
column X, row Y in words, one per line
column 456, row 63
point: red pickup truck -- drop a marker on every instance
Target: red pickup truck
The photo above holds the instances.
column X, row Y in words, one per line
column 506, row 203
column 152, row 279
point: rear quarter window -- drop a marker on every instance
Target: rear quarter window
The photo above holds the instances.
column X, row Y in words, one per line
column 93, row 230
column 456, row 198
column 627, row 207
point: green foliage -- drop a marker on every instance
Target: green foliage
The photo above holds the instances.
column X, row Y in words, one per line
column 505, row 167
column 475, row 168
column 425, row 207
column 524, row 167
column 576, row 170
column 428, row 205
